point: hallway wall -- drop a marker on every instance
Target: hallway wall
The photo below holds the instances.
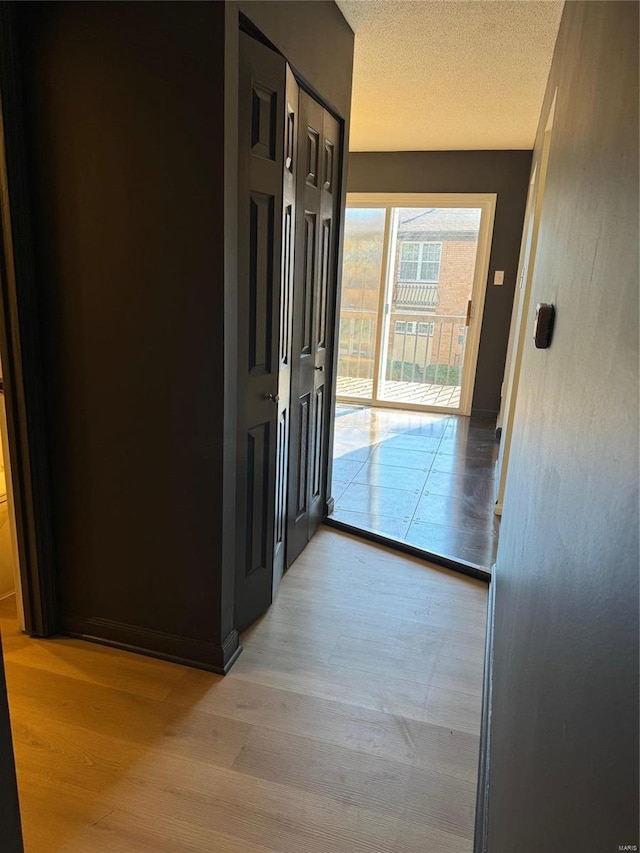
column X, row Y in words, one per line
column 564, row 741
column 124, row 106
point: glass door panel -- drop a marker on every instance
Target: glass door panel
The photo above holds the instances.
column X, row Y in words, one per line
column 432, row 266
column 361, row 277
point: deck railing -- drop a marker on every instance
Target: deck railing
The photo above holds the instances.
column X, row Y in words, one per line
column 422, row 350
column 427, row 349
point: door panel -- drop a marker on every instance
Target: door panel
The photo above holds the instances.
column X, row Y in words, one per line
column 308, row 281
column 286, row 326
column 315, row 278
column 261, row 129
column 258, row 498
column 260, row 283
column 325, row 287
column 318, row 427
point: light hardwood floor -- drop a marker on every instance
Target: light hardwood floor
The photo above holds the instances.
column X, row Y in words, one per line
column 350, row 723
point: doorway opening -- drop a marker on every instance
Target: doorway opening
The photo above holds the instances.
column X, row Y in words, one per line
column 410, row 463
column 413, row 287
column 10, row 584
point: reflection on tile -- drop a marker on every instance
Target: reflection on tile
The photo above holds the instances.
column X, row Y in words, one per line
column 407, row 441
column 460, row 485
column 464, row 513
column 475, row 546
column 394, row 527
column 345, row 469
column 436, row 429
column 358, row 434
column 401, row 458
column 380, row 500
column 466, row 426
column 425, row 478
column 353, row 454
column 469, row 446
column 391, row 476
column 337, row 488
column 462, row 464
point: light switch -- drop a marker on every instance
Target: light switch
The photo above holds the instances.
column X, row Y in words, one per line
column 498, row 277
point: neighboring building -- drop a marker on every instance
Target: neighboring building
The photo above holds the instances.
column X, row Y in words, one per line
column 435, row 254
column 433, row 276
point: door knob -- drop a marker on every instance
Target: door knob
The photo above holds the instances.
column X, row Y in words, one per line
column 273, row 397
column 319, row 367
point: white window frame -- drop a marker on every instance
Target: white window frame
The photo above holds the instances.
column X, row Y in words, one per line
column 414, row 327
column 420, row 260
column 393, row 201
column 426, row 332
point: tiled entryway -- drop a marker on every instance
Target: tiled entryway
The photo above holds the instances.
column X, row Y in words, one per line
column 426, row 479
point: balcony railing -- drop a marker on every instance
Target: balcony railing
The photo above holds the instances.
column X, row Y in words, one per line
column 407, row 294
column 422, row 359
column 427, row 353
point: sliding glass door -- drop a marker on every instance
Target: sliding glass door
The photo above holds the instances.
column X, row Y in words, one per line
column 413, row 285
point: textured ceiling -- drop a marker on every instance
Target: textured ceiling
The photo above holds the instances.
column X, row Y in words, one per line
column 447, row 75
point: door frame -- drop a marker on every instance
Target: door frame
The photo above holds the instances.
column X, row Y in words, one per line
column 22, row 355
column 521, row 308
column 487, row 204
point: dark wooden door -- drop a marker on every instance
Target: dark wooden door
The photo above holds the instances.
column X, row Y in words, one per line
column 317, row 196
column 262, row 409
column 286, row 324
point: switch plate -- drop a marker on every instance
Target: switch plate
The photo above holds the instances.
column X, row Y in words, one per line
column 498, row 277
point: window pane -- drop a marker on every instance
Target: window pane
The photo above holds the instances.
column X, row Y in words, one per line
column 429, row 271
column 433, row 271
column 410, row 251
column 362, row 266
column 431, row 251
column 409, row 270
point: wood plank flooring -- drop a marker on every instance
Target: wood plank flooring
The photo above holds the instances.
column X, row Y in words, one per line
column 350, row 723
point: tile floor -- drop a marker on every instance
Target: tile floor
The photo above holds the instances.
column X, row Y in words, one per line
column 426, row 479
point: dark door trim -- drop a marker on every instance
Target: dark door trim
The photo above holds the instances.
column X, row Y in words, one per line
column 21, row 353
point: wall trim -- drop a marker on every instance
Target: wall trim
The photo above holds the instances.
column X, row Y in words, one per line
column 201, row 654
column 481, row 839
column 471, row 570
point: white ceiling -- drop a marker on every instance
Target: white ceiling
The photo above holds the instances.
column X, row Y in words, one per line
column 446, row 74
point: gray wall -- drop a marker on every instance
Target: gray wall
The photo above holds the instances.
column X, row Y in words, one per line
column 503, row 172
column 124, row 104
column 315, row 39
column 564, row 749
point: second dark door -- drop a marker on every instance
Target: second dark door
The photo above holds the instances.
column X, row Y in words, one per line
column 315, row 258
